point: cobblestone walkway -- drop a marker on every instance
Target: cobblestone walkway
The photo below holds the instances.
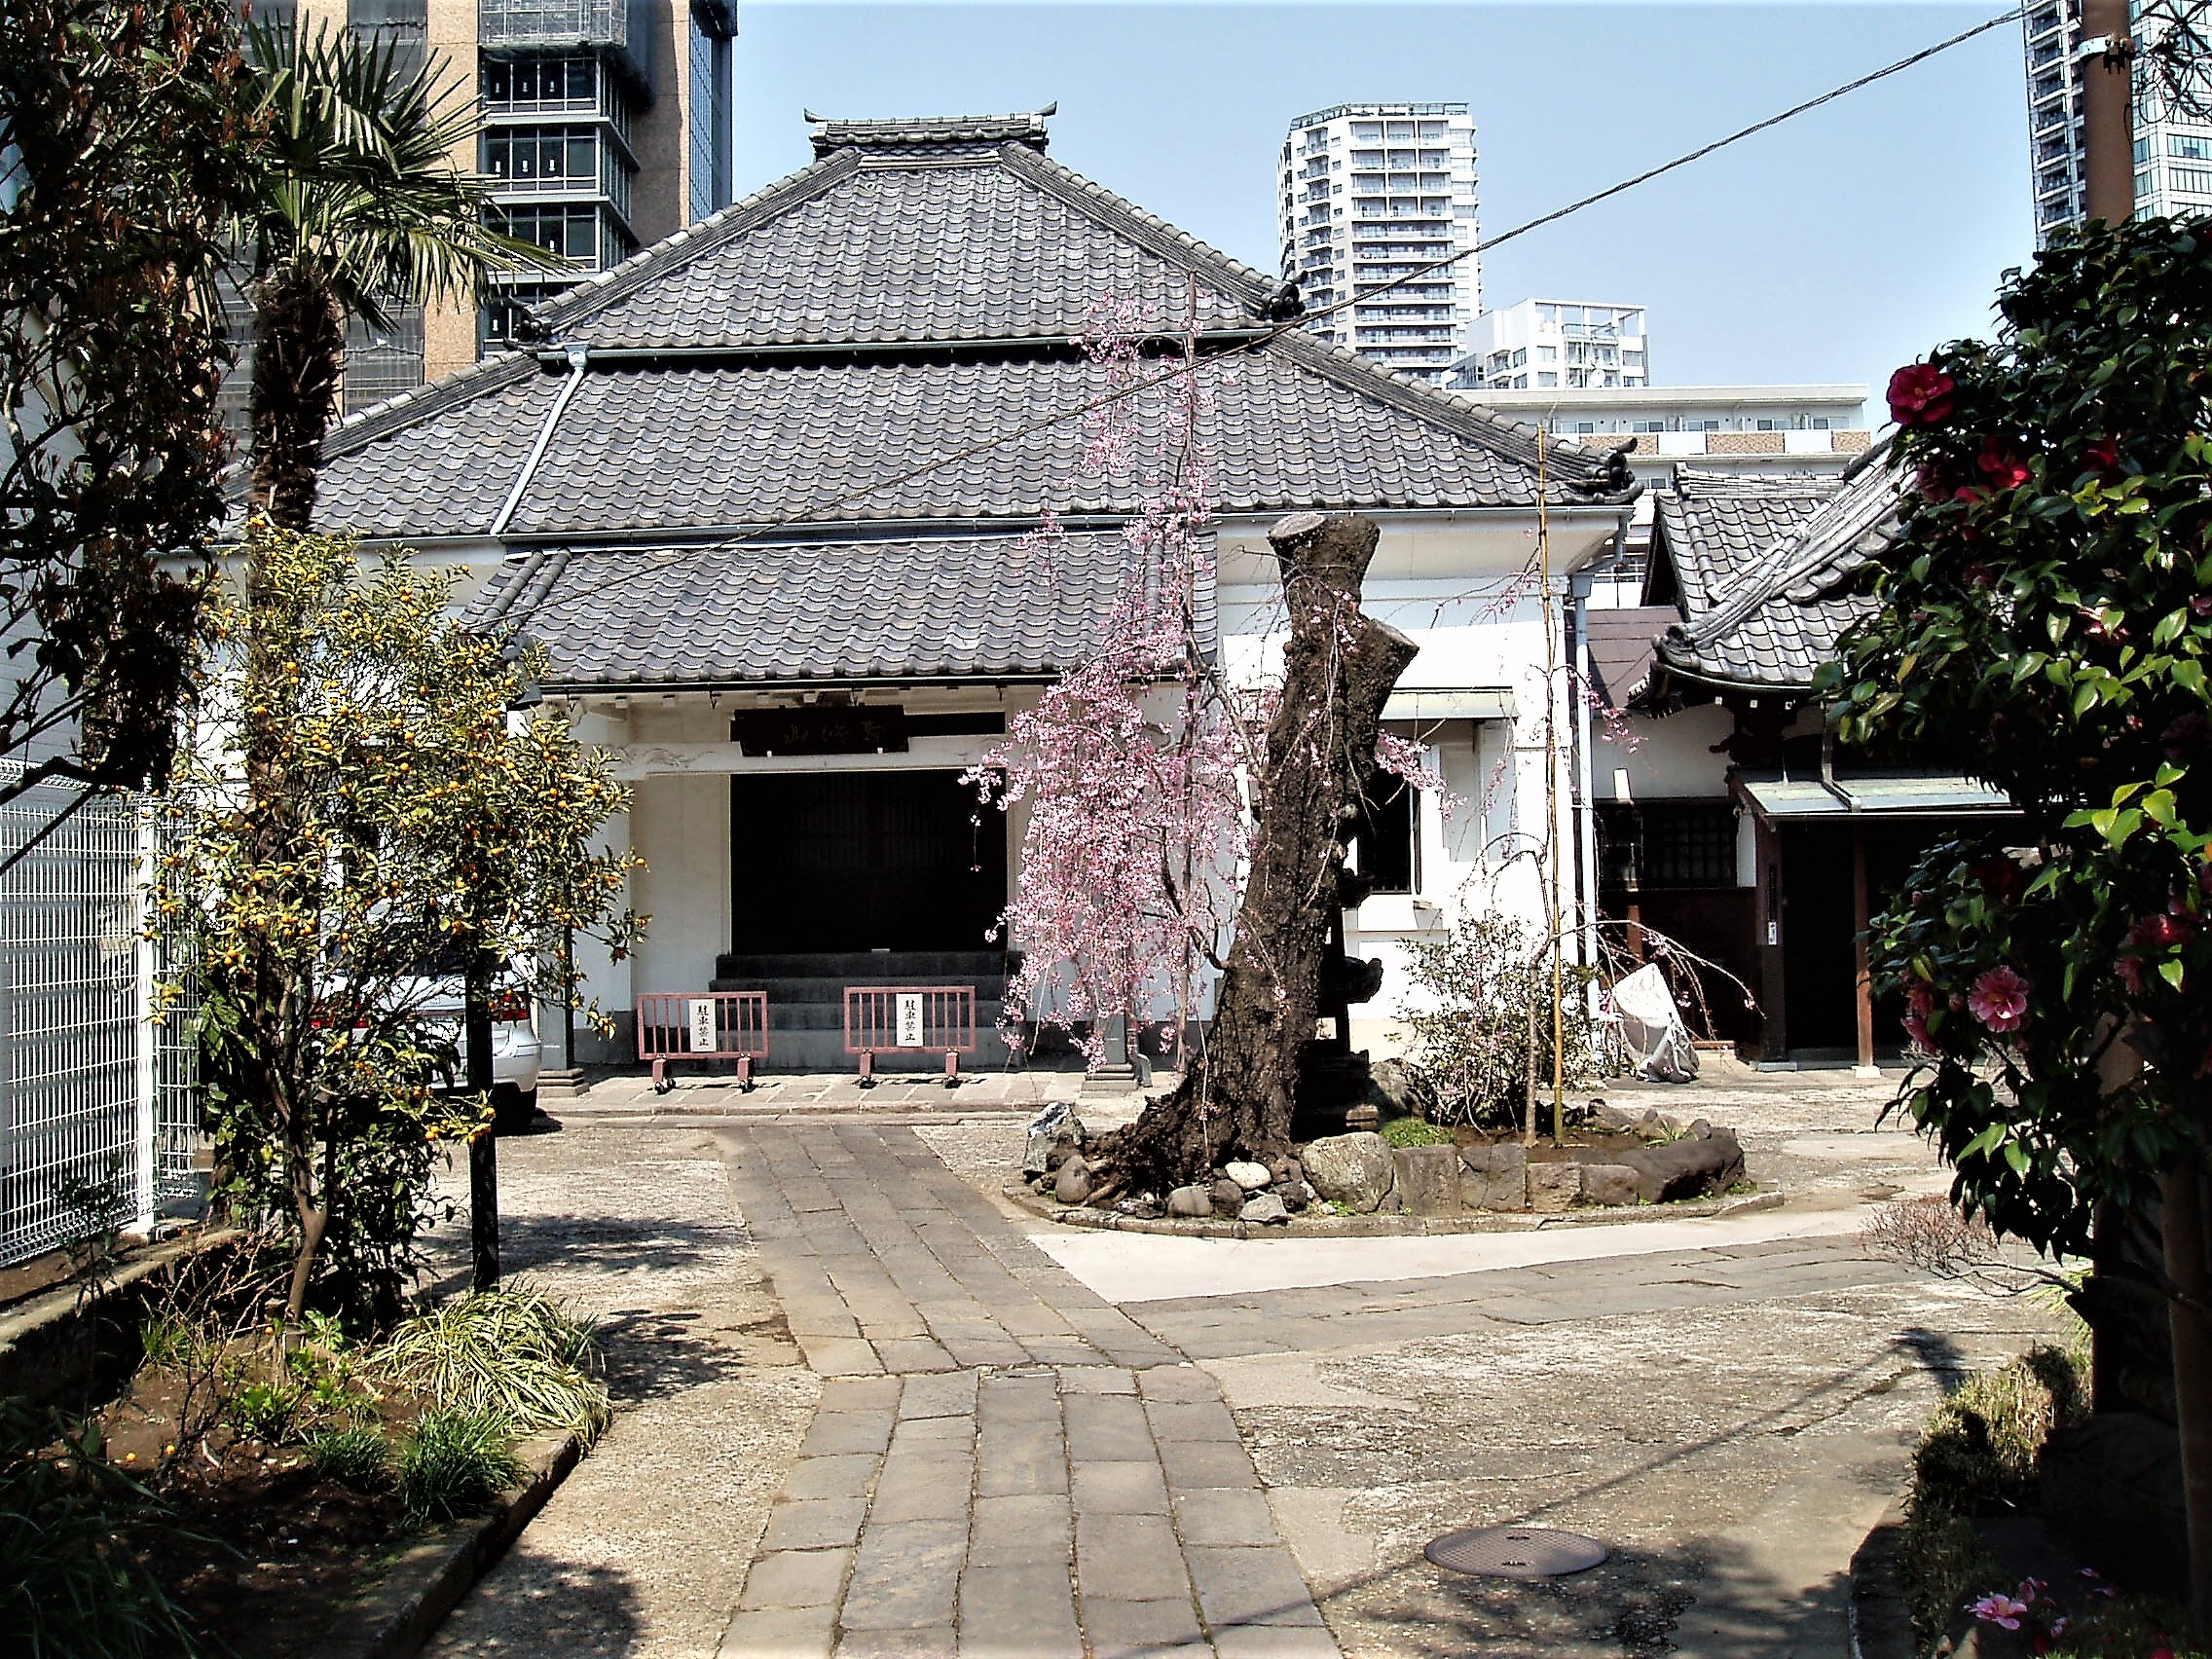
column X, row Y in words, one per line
column 1004, row 1464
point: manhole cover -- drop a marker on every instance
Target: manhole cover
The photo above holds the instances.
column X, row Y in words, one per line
column 1515, row 1552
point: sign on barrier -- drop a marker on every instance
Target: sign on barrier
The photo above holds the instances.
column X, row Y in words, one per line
column 718, row 1025
column 932, row 1020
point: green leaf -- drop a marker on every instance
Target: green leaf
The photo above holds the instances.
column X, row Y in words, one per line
column 2173, row 973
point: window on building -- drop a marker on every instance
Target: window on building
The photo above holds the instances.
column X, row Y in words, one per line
column 1668, row 845
column 1547, row 354
column 1385, row 847
column 401, row 27
column 713, row 113
column 553, row 155
column 383, row 363
column 2188, row 146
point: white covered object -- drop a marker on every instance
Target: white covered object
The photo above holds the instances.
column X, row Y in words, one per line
column 1652, row 1027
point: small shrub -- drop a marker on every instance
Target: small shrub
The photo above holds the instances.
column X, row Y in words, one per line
column 1472, row 1030
column 512, row 1354
column 2129, row 1628
column 1412, row 1132
column 74, row 1583
column 265, row 1411
column 453, row 1464
column 1977, row 1454
column 358, row 1457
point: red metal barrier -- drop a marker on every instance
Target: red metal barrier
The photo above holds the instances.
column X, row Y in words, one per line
column 704, row 1025
column 914, row 1020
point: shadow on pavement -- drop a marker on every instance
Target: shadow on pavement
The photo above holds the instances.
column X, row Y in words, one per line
column 576, row 1609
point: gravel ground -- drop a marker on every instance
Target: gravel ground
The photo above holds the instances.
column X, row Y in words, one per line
column 642, row 1550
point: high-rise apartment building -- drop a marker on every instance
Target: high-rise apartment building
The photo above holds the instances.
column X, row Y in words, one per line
column 1540, row 343
column 1371, row 192
column 2173, row 145
column 607, row 125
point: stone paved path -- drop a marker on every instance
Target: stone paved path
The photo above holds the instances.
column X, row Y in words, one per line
column 1004, row 1464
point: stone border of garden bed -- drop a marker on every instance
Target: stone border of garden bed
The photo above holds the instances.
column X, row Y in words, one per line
column 402, row 1609
column 1312, row 1225
column 50, row 1342
column 1881, row 1612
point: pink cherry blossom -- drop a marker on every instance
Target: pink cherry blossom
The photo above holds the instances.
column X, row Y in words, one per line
column 1999, row 999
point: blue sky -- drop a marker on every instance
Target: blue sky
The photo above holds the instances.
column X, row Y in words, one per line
column 1832, row 248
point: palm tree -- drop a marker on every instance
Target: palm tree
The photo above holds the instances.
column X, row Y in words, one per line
column 356, row 206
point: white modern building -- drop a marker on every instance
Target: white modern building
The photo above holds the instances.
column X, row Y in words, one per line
column 2173, row 146
column 1557, row 343
column 1373, row 191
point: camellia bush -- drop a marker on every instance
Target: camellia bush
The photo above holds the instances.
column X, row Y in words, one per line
column 2045, row 621
column 414, row 822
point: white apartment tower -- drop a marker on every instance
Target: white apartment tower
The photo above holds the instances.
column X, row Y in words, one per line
column 1371, row 192
column 1579, row 344
column 2173, row 146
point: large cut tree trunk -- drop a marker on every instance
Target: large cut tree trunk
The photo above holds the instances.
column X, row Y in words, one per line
column 299, row 351
column 1339, row 667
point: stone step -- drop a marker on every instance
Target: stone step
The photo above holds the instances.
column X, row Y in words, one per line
column 830, row 1016
column 862, row 966
column 823, row 1050
column 787, row 988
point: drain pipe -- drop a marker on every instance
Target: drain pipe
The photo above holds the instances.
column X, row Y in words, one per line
column 1586, row 808
column 579, row 356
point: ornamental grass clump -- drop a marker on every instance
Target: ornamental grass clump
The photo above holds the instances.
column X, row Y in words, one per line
column 1978, row 1452
column 510, row 1355
column 357, row 1456
column 455, row 1463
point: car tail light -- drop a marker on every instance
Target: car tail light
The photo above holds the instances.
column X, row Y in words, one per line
column 509, row 1007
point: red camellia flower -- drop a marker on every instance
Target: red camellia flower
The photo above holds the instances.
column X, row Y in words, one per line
column 1999, row 999
column 2004, row 469
column 2103, row 456
column 2001, row 878
column 1920, row 395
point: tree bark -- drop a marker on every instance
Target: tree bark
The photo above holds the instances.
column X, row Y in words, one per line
column 2182, row 1199
column 299, row 351
column 1339, row 667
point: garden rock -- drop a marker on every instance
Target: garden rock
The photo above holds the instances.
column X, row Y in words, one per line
column 1700, row 1129
column 1355, row 1170
column 1686, row 1168
column 1296, row 1197
column 1053, row 1133
column 1495, row 1177
column 1611, row 1117
column 1553, row 1186
column 1429, row 1179
column 1264, row 1206
column 1286, row 1173
column 1191, row 1202
column 1228, row 1194
column 1072, row 1185
column 1656, row 1125
column 1249, row 1176
column 1609, row 1184
column 1392, row 1090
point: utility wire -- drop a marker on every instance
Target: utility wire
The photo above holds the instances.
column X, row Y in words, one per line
column 1191, row 366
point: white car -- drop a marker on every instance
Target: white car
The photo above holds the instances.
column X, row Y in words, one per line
column 439, row 996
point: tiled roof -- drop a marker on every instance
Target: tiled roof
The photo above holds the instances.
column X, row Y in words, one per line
column 915, row 609
column 924, row 135
column 1775, row 619
column 1621, row 647
column 640, row 449
column 1711, row 525
column 881, row 311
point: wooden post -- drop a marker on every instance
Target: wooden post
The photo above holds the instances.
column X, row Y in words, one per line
column 1863, row 981
column 2187, row 1245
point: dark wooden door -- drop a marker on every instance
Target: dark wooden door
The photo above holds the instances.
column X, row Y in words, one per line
column 863, row 861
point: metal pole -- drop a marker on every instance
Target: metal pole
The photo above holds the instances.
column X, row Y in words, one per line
column 2105, row 63
column 483, row 1149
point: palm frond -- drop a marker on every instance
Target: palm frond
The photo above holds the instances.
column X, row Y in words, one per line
column 360, row 177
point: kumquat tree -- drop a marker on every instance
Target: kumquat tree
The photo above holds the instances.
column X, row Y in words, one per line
column 2046, row 610
column 417, row 820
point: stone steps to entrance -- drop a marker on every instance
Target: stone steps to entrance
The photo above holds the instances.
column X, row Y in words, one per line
column 806, row 1001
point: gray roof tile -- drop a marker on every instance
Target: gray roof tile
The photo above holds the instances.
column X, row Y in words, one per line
column 910, row 608
column 1769, row 621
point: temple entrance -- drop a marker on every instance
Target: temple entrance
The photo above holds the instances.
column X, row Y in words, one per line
column 863, row 861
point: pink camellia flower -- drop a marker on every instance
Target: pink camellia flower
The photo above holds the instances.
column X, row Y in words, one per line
column 2003, row 467
column 1999, row 999
column 1999, row 1608
column 1920, row 395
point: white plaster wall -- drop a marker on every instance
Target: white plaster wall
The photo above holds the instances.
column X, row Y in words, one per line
column 1671, row 759
column 680, row 825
